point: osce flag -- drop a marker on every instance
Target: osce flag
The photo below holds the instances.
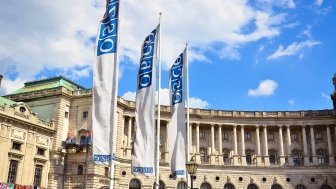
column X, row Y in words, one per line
column 144, row 143
column 105, row 84
column 177, row 130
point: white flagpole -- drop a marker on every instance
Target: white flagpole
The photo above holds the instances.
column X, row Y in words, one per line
column 115, row 104
column 157, row 167
column 188, row 121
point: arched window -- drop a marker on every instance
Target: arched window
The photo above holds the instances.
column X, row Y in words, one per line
column 276, row 186
column 229, row 186
column 252, row 186
column 135, row 184
column 205, row 185
column 300, row 186
column 162, row 185
column 182, row 185
column 326, row 187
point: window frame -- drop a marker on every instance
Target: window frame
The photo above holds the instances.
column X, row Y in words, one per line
column 38, row 174
column 12, row 171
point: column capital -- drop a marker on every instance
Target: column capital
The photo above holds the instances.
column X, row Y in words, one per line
column 212, row 124
column 242, row 126
column 197, row 123
column 287, row 126
column 264, row 126
column 257, row 126
column 280, row 126
column 234, row 126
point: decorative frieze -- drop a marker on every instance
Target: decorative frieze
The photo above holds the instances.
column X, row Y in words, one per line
column 18, row 134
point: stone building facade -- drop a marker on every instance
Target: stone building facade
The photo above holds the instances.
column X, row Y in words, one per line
column 25, row 144
column 234, row 149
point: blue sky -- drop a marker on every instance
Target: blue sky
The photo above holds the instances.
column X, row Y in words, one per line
column 244, row 55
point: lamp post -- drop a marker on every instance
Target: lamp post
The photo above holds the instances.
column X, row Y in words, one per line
column 192, row 168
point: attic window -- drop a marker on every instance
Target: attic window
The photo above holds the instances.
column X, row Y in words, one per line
column 22, row 109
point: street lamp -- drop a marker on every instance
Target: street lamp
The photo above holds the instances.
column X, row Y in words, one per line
column 192, row 168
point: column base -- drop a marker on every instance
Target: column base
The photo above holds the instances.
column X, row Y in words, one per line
column 290, row 161
column 243, row 160
column 306, row 161
column 331, row 161
column 220, row 159
column 266, row 161
column 259, row 161
column 129, row 153
column 198, row 158
column 315, row 162
column 236, row 160
column 282, row 160
column 213, row 159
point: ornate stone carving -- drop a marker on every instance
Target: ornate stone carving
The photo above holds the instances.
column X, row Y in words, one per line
column 42, row 140
column 18, row 134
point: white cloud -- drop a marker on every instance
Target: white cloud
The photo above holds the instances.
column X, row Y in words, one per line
column 9, row 86
column 59, row 34
column 280, row 3
column 318, row 2
column 265, row 88
column 291, row 102
column 194, row 102
column 323, row 95
column 292, row 49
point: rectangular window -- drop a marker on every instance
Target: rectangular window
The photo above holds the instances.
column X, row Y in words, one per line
column 226, row 158
column 16, row 146
column 38, row 175
column 80, row 169
column 107, row 170
column 248, row 159
column 247, row 136
column 294, row 137
column 225, row 136
column 270, row 137
column 318, row 135
column 66, row 114
column 296, row 160
column 202, row 135
column 272, row 159
column 13, row 166
column 85, row 114
column 40, row 151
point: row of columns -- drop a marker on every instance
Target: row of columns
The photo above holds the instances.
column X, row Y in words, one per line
column 258, row 148
column 258, row 153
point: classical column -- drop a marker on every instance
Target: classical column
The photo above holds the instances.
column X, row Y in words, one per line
column 330, row 154
column 198, row 157
column 312, row 140
column 242, row 155
column 166, row 150
column 282, row 155
column 220, row 146
column 258, row 146
column 212, row 139
column 213, row 154
column 289, row 147
column 191, row 150
column 235, row 156
column 305, row 149
column 266, row 156
column 129, row 138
